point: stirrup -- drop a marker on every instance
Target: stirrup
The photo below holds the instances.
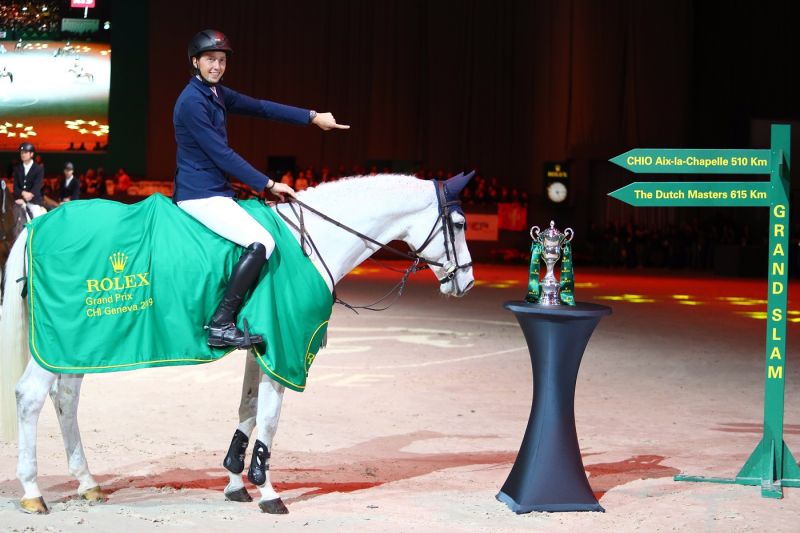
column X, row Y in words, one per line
column 224, row 335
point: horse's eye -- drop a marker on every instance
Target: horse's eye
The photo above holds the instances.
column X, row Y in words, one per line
column 459, row 225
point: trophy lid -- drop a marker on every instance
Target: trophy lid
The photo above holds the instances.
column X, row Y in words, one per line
column 551, row 234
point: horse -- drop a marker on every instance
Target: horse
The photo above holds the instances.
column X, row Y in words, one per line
column 12, row 221
column 84, row 74
column 366, row 212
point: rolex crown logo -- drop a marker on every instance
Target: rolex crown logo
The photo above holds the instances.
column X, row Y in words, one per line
column 118, row 261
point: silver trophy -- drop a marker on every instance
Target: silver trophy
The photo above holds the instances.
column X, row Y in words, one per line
column 551, row 240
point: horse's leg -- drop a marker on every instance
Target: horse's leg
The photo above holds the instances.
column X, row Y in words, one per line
column 234, row 460
column 65, row 394
column 270, row 398
column 31, row 392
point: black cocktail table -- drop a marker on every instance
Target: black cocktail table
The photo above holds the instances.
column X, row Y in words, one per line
column 548, row 474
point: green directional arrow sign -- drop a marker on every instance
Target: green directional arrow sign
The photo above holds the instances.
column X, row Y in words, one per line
column 694, row 161
column 694, row 194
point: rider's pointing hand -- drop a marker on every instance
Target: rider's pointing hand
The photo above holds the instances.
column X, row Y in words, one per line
column 326, row 122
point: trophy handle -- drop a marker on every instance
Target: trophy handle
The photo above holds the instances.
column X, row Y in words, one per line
column 535, row 233
column 569, row 234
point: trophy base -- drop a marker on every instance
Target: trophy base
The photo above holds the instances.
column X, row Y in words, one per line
column 550, row 299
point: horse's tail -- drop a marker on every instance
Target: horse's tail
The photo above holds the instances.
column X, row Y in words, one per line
column 14, row 351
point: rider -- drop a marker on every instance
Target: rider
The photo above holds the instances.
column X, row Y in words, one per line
column 204, row 159
column 70, row 185
column 28, row 179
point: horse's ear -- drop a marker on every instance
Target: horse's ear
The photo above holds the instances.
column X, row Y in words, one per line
column 456, row 184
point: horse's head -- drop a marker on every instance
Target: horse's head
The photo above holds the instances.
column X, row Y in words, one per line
column 440, row 239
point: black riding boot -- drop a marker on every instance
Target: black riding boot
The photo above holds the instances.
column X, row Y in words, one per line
column 222, row 330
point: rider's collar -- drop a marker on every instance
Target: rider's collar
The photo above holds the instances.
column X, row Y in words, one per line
column 198, row 82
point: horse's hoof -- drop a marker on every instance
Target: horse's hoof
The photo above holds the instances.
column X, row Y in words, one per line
column 94, row 495
column 33, row 506
column 275, row 506
column 239, row 495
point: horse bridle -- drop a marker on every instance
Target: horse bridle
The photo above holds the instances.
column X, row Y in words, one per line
column 451, row 266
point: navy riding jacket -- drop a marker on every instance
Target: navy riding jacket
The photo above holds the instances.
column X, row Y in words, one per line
column 204, row 158
column 31, row 182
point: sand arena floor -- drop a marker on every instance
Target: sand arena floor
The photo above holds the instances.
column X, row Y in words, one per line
column 413, row 417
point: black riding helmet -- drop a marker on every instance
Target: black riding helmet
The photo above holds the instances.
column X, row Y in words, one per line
column 209, row 41
column 26, row 147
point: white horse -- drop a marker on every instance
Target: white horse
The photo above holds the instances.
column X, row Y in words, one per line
column 383, row 208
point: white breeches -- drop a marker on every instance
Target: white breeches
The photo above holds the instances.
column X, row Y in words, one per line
column 35, row 210
column 226, row 218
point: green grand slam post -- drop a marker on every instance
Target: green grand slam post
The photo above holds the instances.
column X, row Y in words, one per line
column 771, row 465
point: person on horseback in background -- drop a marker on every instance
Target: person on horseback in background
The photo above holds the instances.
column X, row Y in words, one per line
column 204, row 160
column 28, row 181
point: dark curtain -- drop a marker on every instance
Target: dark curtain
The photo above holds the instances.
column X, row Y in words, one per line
column 499, row 86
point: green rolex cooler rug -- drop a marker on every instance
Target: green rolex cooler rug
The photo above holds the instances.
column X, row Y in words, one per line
column 118, row 287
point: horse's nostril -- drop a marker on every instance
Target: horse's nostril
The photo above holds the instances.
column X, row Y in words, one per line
column 469, row 286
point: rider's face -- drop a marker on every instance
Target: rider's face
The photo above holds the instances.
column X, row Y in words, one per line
column 25, row 156
column 211, row 65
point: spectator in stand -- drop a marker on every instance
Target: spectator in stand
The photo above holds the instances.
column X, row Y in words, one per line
column 311, row 176
column 288, row 178
column 70, row 188
column 491, row 195
column 123, row 181
column 301, row 183
column 325, row 175
column 89, row 183
column 101, row 182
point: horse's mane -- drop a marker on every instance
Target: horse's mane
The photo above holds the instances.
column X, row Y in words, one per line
column 360, row 189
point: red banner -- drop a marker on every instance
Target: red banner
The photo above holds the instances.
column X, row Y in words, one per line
column 82, row 3
column 513, row 216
